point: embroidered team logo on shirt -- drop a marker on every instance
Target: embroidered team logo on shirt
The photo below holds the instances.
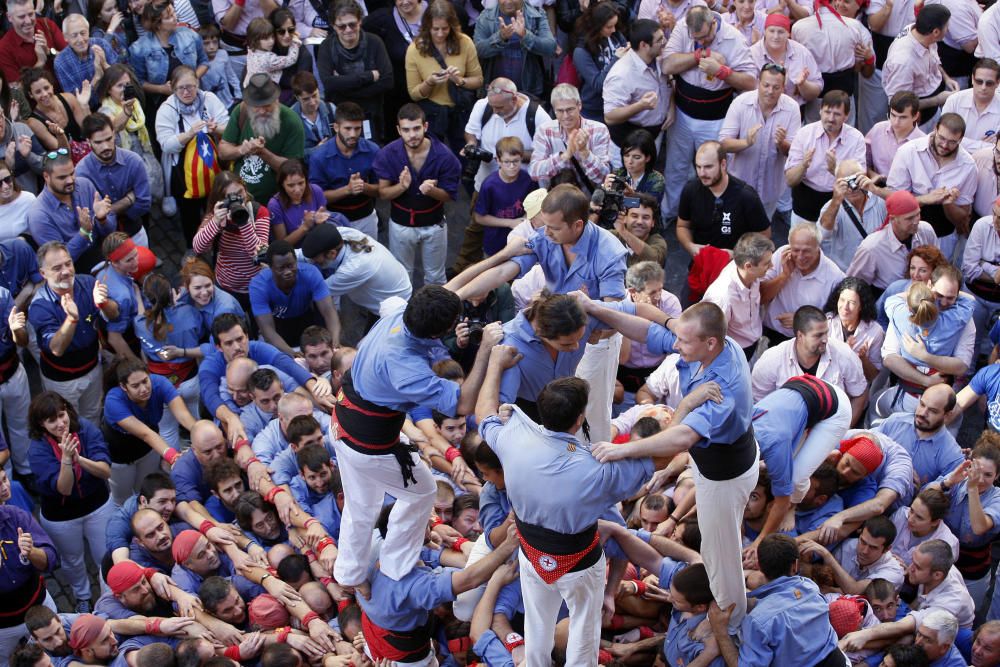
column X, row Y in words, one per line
column 547, row 563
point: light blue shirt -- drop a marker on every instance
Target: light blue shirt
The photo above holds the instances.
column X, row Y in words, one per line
column 406, row 604
column 789, row 626
column 932, row 457
column 549, row 485
column 324, row 507
column 285, row 467
column 272, row 441
column 779, row 420
column 599, row 263
column 941, row 337
column 393, row 369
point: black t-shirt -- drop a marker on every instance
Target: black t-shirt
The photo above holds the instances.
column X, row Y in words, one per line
column 721, row 222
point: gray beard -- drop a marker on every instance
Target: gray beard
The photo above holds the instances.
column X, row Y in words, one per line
column 267, row 127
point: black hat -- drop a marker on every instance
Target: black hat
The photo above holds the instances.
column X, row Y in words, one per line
column 320, row 239
column 260, row 90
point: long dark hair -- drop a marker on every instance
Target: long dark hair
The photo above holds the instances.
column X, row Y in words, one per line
column 112, row 75
column 864, row 292
column 47, row 405
column 156, row 290
column 222, row 181
column 592, row 22
column 293, row 167
column 439, row 9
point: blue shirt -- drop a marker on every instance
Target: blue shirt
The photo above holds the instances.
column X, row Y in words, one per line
column 932, row 457
column 810, row 520
column 271, row 442
column 121, row 290
column 894, row 288
column 125, row 174
column 789, row 626
column 986, row 382
column 323, row 507
column 492, row 651
column 222, row 302
column 51, row 220
column 599, row 263
column 941, row 337
column 46, row 465
column 118, row 406
column 189, row 480
column 406, row 604
column 715, row 422
column 46, row 314
column 505, row 200
column 72, row 71
column 440, row 164
column 953, row 658
column 213, row 368
column 7, row 344
column 549, row 485
column 150, row 60
column 321, row 129
column 18, row 265
column 330, row 169
column 779, row 420
column 13, row 573
column 185, row 330
column 189, row 582
column 284, row 467
column 494, row 506
column 267, row 299
column 393, row 369
column 286, row 380
column 254, row 419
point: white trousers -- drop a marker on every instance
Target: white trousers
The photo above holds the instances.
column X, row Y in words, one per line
column 127, row 477
column 432, row 244
column 367, row 224
column 10, row 638
column 583, row 592
column 84, row 393
column 366, row 479
column 15, row 398
column 822, row 439
column 466, row 602
column 73, row 538
column 169, row 427
column 599, row 367
column 720, row 516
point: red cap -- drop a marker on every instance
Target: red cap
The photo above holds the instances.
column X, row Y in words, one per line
column 779, row 20
column 865, row 450
column 184, row 545
column 267, row 613
column 901, row 202
column 124, row 575
column 85, row 631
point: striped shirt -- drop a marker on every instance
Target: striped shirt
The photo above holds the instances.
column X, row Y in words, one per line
column 234, row 266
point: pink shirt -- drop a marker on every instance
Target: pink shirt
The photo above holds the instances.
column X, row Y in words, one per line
column 988, row 32
column 977, row 123
column 740, row 303
column 900, row 16
column 951, row 595
column 728, row 41
column 811, row 289
column 628, row 80
column 848, row 145
column 761, row 165
column 906, row 542
column 797, row 58
column 665, row 382
column 752, row 31
column 866, row 331
column 964, row 21
column 982, row 252
column 915, row 169
column 881, row 257
column 838, row 365
column 639, row 354
column 832, row 45
column 648, row 9
column 883, row 144
column 911, row 66
column 987, row 182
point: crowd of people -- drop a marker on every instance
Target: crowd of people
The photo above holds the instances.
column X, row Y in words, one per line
column 541, row 447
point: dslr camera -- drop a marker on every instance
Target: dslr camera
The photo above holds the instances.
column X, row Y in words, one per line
column 238, row 213
column 610, row 202
column 476, row 331
column 474, row 156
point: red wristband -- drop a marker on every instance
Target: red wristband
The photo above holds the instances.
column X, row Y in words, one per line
column 283, row 634
column 309, row 618
column 240, row 3
column 457, row 545
column 870, row 60
column 326, row 581
column 242, row 442
column 343, row 604
column 604, row 657
column 205, row 526
column 252, row 460
column 645, row 632
column 270, row 495
column 512, row 641
column 697, row 57
column 452, row 453
column 310, row 555
column 309, row 522
column 233, row 653
column 153, row 625
column 436, row 521
column 617, row 621
column 724, row 72
column 640, row 587
column 323, row 544
column 171, row 455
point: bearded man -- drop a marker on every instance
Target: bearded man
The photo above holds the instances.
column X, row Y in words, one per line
column 262, row 133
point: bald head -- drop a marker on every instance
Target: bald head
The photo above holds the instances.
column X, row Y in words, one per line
column 207, row 442
column 933, row 407
column 315, row 596
column 291, row 406
column 848, row 168
column 503, row 83
column 238, row 373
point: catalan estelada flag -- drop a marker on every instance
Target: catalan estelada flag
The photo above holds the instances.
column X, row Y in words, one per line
column 201, row 164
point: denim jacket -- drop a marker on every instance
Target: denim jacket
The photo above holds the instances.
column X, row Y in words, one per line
column 151, row 62
column 538, row 42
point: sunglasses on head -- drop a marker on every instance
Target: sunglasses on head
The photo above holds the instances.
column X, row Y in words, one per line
column 56, row 153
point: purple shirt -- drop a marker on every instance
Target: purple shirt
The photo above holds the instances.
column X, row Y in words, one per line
column 728, row 41
column 796, row 59
column 502, row 200
column 915, row 169
column 291, row 217
column 882, row 145
column 911, row 66
column 848, row 145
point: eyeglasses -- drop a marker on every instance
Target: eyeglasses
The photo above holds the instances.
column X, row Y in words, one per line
column 186, row 89
column 772, row 67
column 56, row 153
column 346, row 27
column 511, row 163
column 285, row 31
column 493, row 90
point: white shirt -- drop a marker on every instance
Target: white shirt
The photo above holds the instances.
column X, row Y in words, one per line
column 497, row 128
column 14, row 216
